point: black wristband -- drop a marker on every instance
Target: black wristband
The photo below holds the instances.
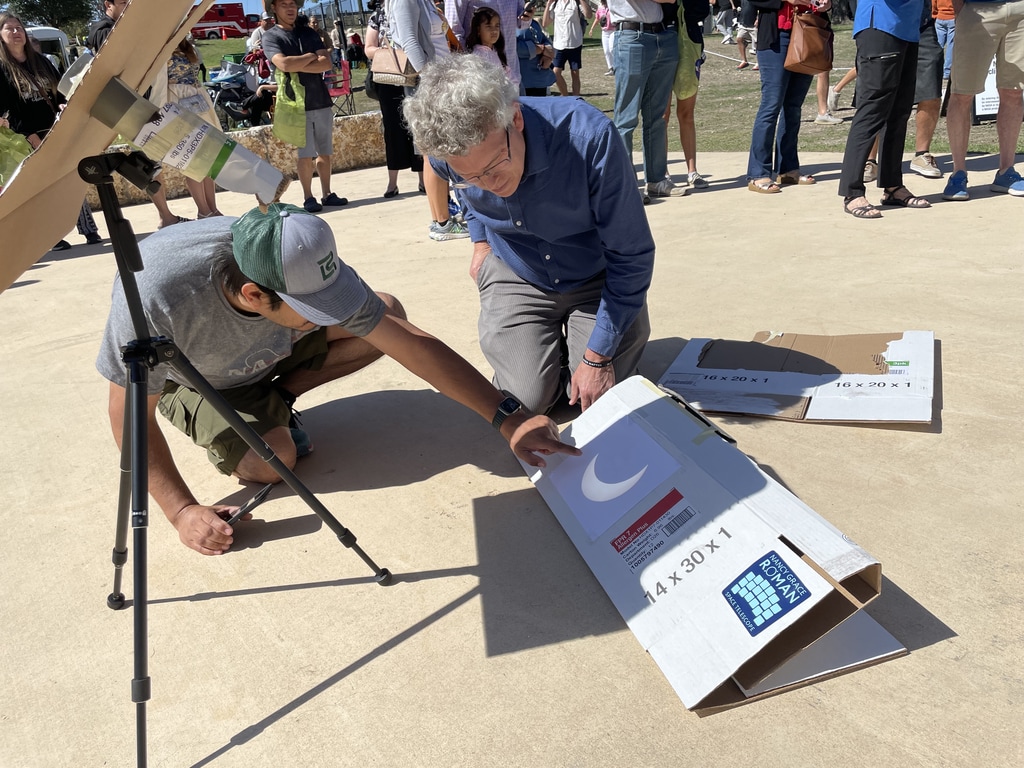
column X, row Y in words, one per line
column 592, row 364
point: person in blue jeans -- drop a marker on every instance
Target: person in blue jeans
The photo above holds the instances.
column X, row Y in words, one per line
column 945, row 30
column 646, row 53
column 774, row 161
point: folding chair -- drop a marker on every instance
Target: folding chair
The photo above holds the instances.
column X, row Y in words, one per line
column 339, row 86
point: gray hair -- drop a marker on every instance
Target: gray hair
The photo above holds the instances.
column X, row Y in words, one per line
column 460, row 100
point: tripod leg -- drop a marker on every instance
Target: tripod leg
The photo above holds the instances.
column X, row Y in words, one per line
column 254, row 441
column 137, row 376
column 115, row 600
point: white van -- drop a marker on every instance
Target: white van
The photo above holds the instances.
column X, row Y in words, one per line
column 54, row 43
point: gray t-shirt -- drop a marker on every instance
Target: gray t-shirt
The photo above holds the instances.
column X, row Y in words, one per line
column 183, row 301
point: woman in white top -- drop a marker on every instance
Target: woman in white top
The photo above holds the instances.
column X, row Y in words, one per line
column 419, row 29
column 422, row 32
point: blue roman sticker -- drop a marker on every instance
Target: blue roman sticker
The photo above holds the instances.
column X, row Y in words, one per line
column 765, row 592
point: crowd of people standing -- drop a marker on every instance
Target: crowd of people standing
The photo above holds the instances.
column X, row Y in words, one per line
column 654, row 50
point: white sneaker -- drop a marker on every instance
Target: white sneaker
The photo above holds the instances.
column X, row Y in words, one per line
column 665, row 188
column 926, row 166
column 452, row 230
column 827, row 119
column 697, row 181
column 832, row 100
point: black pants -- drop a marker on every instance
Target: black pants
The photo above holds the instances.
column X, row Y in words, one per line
column 886, row 77
column 399, row 151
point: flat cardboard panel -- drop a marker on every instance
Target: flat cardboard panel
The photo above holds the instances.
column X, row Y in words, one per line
column 883, row 377
column 718, row 570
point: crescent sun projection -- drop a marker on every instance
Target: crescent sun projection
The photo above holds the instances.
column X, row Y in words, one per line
column 596, row 489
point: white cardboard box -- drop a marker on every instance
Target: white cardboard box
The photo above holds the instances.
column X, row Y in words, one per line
column 721, row 573
column 882, row 377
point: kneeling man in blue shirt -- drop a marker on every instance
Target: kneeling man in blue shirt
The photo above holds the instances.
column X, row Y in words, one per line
column 562, row 252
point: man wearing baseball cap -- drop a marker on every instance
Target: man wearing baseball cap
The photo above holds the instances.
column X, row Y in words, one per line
column 256, row 38
column 265, row 310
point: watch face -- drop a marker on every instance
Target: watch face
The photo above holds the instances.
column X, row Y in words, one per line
column 509, row 406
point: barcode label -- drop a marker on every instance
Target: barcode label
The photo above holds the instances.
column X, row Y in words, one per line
column 682, row 380
column 678, row 521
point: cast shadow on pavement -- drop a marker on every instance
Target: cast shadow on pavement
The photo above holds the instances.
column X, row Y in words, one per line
column 248, row 734
column 906, row 619
column 534, row 587
column 376, row 440
column 395, row 438
column 388, row 439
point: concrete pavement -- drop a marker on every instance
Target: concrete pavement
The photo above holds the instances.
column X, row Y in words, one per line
column 496, row 645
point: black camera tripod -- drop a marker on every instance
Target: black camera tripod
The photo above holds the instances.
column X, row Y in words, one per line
column 140, row 355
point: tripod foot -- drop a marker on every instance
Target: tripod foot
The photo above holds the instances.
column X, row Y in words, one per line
column 384, row 577
column 116, row 601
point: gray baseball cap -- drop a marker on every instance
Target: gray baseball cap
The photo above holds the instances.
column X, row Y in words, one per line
column 293, row 253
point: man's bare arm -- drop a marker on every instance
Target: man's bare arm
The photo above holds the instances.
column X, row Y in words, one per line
column 439, row 365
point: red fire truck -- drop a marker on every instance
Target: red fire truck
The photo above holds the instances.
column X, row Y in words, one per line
column 225, row 20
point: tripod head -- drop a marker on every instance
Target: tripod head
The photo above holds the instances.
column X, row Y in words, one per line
column 134, row 166
column 99, row 170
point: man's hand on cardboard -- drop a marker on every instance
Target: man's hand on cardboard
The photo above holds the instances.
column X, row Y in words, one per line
column 590, row 383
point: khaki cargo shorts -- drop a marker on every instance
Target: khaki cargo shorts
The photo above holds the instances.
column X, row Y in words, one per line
column 984, row 30
column 260, row 405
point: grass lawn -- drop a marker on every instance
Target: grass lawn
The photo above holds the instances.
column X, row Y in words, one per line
column 726, row 105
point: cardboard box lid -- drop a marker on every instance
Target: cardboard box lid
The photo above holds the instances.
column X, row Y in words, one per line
column 883, row 377
column 718, row 570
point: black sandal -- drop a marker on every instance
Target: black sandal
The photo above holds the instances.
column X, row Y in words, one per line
column 909, row 200
column 867, row 211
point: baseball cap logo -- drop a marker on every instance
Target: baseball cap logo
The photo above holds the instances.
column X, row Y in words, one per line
column 328, row 266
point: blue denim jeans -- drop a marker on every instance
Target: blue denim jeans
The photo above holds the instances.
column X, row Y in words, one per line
column 645, row 67
column 777, row 124
column 945, row 29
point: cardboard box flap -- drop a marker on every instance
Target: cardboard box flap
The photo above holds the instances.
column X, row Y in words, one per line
column 860, row 377
column 716, row 568
column 857, row 643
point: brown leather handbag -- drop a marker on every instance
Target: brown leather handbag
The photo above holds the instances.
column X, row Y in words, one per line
column 810, row 44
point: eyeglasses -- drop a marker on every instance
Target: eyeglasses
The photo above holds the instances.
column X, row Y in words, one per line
column 472, row 181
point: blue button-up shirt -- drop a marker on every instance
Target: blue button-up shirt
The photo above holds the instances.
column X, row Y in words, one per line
column 900, row 18
column 575, row 215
